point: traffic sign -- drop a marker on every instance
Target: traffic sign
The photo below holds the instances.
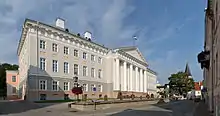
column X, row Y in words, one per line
column 94, row 89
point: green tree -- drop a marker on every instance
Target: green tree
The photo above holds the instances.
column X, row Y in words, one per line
column 180, row 83
column 3, row 68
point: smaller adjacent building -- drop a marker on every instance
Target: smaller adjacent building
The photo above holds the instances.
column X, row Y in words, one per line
column 198, row 85
column 12, row 81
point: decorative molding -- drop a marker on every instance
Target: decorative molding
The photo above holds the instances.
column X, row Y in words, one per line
column 151, row 71
column 124, row 54
column 55, row 33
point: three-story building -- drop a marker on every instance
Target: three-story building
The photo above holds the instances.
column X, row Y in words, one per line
column 50, row 56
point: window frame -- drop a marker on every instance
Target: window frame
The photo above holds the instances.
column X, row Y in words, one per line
column 68, row 86
column 54, row 47
column 66, row 50
column 55, row 63
column 92, row 57
column 64, row 68
column 93, row 72
column 42, row 44
column 77, row 69
column 84, row 55
column 12, row 78
column 40, row 85
column 100, row 73
column 76, row 53
column 57, row 85
column 85, row 73
column 42, row 63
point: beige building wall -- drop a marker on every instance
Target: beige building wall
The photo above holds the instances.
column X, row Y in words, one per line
column 212, row 44
column 122, row 69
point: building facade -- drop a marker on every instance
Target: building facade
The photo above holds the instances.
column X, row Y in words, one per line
column 209, row 58
column 12, row 81
column 50, row 56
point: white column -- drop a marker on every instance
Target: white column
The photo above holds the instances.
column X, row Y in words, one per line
column 117, row 79
column 145, row 81
column 141, row 81
column 114, row 74
column 136, row 76
column 125, row 77
column 131, row 78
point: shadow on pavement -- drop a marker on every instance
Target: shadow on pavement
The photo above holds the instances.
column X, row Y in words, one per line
column 131, row 112
column 11, row 107
column 32, row 83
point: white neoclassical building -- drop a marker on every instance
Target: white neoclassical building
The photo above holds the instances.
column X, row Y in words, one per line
column 50, row 56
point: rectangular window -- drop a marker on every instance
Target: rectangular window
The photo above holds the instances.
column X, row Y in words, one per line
column 66, row 50
column 76, row 69
column 92, row 87
column 84, row 55
column 92, row 58
column 55, row 47
column 66, row 86
column 76, row 53
column 100, row 88
column 100, row 73
column 84, row 70
column 43, row 85
column 42, row 63
column 43, row 96
column 42, row 44
column 55, row 66
column 100, row 60
column 14, row 90
column 66, row 67
column 92, row 72
column 13, row 78
column 66, row 96
column 85, row 87
column 55, row 85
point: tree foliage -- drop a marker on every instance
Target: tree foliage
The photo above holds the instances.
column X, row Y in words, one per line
column 3, row 68
column 180, row 83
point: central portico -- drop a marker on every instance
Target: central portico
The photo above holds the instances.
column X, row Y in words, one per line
column 129, row 71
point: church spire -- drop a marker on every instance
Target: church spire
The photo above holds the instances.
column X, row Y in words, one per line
column 187, row 70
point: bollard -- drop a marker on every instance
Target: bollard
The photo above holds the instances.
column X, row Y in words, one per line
column 94, row 105
column 69, row 105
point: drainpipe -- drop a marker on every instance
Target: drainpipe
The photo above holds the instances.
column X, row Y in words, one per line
column 37, row 61
column 212, row 62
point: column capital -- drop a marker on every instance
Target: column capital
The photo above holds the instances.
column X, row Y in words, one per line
column 124, row 62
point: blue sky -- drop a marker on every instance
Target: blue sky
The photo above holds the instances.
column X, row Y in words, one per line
column 170, row 32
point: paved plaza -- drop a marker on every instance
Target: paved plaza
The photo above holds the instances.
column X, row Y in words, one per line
column 178, row 108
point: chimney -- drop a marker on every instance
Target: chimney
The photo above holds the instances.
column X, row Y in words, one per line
column 60, row 23
column 88, row 35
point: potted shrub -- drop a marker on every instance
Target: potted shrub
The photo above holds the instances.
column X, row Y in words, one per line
column 84, row 98
column 132, row 96
column 141, row 97
column 120, row 96
column 105, row 98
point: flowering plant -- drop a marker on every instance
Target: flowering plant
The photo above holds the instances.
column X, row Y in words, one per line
column 77, row 90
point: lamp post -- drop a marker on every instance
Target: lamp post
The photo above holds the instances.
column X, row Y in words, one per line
column 76, row 84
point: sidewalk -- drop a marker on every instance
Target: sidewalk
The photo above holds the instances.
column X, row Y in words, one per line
column 201, row 110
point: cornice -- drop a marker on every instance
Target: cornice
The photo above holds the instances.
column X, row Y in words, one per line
column 57, row 33
column 151, row 71
column 131, row 57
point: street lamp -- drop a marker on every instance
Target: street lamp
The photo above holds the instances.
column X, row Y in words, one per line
column 76, row 84
column 75, row 80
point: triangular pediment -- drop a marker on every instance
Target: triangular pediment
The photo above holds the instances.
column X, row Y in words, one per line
column 134, row 51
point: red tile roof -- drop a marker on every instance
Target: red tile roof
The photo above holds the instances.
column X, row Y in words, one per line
column 197, row 85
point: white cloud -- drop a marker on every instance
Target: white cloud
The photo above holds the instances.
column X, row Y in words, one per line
column 104, row 18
